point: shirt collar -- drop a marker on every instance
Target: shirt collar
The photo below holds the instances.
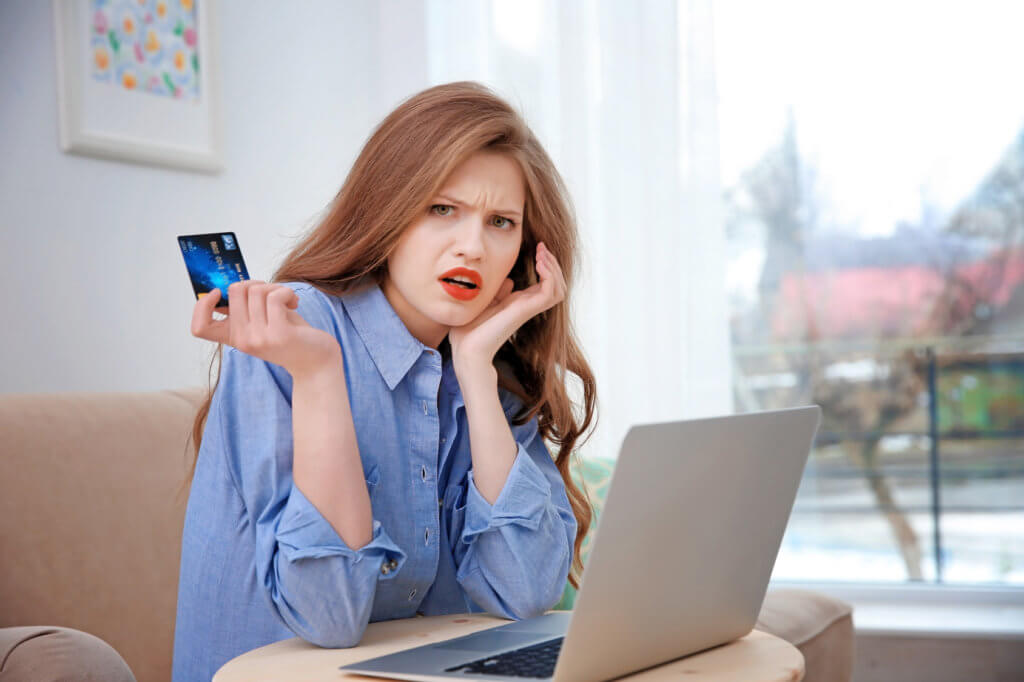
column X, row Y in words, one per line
column 393, row 349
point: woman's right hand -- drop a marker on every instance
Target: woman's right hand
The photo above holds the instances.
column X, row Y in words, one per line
column 262, row 322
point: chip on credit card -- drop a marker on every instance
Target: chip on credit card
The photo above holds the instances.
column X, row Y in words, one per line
column 214, row 261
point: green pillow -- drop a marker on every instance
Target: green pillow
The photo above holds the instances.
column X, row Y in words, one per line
column 596, row 474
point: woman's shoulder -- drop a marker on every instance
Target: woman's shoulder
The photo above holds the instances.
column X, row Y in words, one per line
column 317, row 307
column 306, row 291
column 348, row 316
column 314, row 298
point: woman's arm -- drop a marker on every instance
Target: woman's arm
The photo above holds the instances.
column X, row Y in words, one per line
column 514, row 523
column 263, row 322
column 473, row 349
column 327, row 467
column 276, row 424
column 515, row 543
column 497, row 450
column 513, row 553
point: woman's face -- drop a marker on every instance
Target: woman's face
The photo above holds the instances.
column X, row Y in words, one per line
column 471, row 233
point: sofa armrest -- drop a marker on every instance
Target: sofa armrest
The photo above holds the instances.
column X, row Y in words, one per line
column 821, row 627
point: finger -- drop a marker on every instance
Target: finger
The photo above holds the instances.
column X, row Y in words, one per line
column 544, row 254
column 258, row 305
column 547, row 277
column 203, row 325
column 206, row 304
column 220, row 301
column 560, row 284
column 553, row 281
column 556, row 272
column 279, row 302
column 238, row 302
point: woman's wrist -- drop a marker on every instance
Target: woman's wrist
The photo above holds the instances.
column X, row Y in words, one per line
column 322, row 375
column 475, row 372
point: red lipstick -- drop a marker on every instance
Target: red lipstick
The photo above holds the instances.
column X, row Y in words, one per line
column 468, row 289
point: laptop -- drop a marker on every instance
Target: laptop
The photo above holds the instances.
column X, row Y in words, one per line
column 680, row 562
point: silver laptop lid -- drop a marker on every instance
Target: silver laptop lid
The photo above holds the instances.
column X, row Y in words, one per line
column 693, row 521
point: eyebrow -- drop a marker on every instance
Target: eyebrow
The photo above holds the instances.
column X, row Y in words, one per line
column 517, row 214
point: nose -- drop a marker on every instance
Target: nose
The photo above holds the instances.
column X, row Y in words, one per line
column 469, row 239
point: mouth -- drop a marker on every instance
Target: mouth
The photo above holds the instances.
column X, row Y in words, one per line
column 462, row 284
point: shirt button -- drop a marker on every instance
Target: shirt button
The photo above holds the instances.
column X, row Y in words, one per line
column 385, row 568
column 440, row 503
column 393, row 564
column 423, row 473
column 426, row 536
column 412, row 594
column 424, row 407
column 443, row 440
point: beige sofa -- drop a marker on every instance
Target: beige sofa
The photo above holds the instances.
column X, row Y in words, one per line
column 91, row 518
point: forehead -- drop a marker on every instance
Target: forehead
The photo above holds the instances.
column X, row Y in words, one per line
column 487, row 179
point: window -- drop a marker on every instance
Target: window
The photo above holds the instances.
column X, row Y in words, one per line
column 873, row 174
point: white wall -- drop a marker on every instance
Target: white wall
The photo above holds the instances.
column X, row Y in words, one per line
column 95, row 292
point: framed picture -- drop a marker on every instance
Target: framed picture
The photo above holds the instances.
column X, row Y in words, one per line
column 137, row 81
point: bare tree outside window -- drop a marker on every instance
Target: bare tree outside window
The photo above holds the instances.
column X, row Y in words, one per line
column 910, row 342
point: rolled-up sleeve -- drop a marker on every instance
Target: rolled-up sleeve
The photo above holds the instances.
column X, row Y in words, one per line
column 513, row 556
column 319, row 587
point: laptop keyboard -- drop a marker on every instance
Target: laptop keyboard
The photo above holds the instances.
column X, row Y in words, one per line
column 536, row 660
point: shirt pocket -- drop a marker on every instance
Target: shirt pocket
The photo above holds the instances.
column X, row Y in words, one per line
column 455, row 505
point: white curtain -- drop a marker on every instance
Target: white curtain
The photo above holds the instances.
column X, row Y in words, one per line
column 622, row 96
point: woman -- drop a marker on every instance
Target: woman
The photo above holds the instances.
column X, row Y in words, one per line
column 374, row 446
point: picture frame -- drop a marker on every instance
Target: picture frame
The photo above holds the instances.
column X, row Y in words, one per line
column 137, row 80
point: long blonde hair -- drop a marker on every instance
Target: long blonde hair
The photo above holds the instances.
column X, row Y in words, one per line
column 402, row 166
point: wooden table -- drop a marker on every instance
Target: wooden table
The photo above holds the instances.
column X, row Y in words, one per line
column 755, row 658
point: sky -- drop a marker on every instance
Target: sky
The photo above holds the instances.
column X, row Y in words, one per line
column 892, row 100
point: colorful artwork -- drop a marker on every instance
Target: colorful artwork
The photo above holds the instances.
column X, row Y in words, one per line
column 146, row 46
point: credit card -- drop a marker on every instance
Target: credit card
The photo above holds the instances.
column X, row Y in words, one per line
column 214, row 261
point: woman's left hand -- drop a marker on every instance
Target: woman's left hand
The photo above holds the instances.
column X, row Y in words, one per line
column 478, row 342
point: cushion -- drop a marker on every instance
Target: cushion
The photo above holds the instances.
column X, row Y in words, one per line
column 48, row 654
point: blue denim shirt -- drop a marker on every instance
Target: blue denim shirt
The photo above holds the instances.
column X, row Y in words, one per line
column 259, row 563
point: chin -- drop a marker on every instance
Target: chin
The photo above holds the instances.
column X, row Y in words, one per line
column 453, row 318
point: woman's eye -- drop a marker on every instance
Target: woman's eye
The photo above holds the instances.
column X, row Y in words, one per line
column 446, row 210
